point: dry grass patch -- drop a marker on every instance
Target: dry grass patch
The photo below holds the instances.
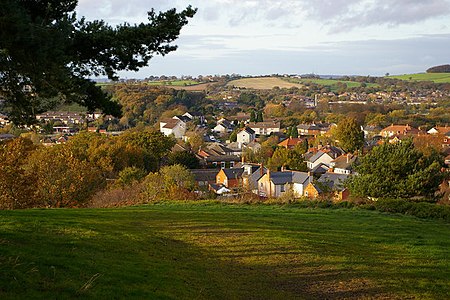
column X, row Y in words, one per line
column 263, row 83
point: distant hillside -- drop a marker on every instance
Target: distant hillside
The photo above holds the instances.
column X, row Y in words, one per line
column 439, row 69
column 262, row 83
column 436, row 77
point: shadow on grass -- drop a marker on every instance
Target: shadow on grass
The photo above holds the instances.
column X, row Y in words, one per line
column 217, row 253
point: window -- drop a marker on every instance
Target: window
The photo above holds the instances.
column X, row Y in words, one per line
column 283, row 188
column 222, row 165
column 231, row 164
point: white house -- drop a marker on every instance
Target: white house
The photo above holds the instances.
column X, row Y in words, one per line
column 275, row 184
column 246, row 135
column 173, row 126
column 265, row 128
column 319, row 158
column 223, row 126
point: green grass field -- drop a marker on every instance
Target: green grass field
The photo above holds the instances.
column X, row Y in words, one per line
column 436, row 77
column 214, row 251
column 331, row 83
column 173, row 83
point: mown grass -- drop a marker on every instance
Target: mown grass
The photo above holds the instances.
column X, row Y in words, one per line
column 214, row 251
column 436, row 77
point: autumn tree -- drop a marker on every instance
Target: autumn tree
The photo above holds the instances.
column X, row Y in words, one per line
column 16, row 182
column 155, row 145
column 349, row 135
column 64, row 180
column 47, row 55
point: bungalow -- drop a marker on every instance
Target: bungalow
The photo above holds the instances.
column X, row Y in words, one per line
column 219, row 189
column 265, row 128
column 275, row 184
column 398, row 130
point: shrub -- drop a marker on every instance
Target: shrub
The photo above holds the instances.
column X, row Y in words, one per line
column 130, row 175
column 116, row 197
column 417, row 209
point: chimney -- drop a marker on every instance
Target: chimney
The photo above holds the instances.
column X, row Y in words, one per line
column 242, row 159
column 261, row 169
column 348, row 157
column 283, row 168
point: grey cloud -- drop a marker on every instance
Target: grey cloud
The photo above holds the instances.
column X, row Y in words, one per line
column 331, row 13
column 372, row 57
column 128, row 10
column 344, row 15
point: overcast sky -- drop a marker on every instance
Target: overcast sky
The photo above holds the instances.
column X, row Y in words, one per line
column 258, row 37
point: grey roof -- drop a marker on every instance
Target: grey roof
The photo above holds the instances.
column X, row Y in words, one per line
column 219, row 158
column 255, row 176
column 316, row 156
column 233, row 172
column 333, row 180
column 249, row 130
column 205, row 174
column 6, row 136
column 185, row 119
column 279, row 178
column 320, row 169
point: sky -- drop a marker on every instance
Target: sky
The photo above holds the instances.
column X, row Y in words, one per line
column 261, row 37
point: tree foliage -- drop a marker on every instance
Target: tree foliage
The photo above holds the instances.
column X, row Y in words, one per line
column 397, row 170
column 439, row 69
column 16, row 182
column 47, row 54
column 63, row 179
column 349, row 135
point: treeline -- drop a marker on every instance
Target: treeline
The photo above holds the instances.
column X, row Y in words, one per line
column 68, row 175
column 144, row 104
column 439, row 69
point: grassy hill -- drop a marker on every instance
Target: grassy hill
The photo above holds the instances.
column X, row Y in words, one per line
column 262, row 83
column 436, row 77
column 331, row 83
column 213, row 251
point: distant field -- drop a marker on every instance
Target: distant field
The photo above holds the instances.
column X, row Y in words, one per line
column 203, row 250
column 173, row 82
column 331, row 83
column 195, row 87
column 262, row 83
column 74, row 107
column 436, row 77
